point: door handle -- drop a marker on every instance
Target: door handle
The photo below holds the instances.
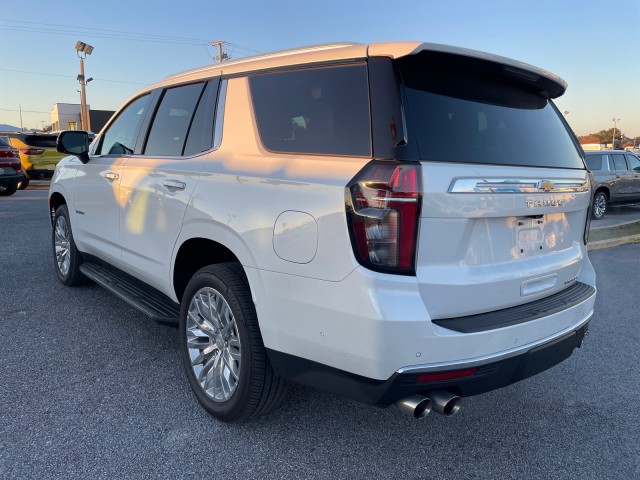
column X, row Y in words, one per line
column 111, row 176
column 174, row 185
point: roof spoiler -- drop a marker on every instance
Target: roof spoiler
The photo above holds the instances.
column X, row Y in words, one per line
column 546, row 83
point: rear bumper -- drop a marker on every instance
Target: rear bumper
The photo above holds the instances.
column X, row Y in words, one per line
column 491, row 375
column 39, row 173
column 10, row 179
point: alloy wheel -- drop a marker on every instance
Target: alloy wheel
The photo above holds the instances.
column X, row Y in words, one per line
column 63, row 257
column 213, row 344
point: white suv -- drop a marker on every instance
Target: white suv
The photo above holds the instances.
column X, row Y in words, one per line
column 396, row 223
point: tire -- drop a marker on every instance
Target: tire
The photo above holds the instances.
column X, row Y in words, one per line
column 6, row 190
column 599, row 205
column 66, row 257
column 23, row 184
column 221, row 346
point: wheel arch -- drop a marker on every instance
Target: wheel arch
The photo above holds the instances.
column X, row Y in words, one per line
column 604, row 189
column 194, row 254
column 55, row 200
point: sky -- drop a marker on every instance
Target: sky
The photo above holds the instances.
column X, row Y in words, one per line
column 594, row 46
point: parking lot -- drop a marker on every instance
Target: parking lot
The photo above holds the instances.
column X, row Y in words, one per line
column 89, row 388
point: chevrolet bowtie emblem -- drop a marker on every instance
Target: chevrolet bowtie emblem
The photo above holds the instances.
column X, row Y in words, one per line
column 546, row 185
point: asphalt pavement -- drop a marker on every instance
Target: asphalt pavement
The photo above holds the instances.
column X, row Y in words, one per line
column 90, row 388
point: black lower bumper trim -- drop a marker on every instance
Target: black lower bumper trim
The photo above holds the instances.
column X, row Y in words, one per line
column 507, row 317
column 383, row 393
column 10, row 179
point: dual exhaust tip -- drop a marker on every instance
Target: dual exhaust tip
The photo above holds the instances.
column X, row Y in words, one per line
column 440, row 401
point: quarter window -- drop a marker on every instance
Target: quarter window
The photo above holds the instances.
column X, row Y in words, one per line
column 315, row 111
column 172, row 120
column 634, row 163
column 120, row 137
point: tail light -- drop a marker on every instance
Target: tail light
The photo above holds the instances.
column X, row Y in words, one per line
column 587, row 223
column 32, row 151
column 383, row 212
column 9, row 154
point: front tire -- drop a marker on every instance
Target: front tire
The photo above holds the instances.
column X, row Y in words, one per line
column 599, row 205
column 24, row 183
column 66, row 257
column 221, row 346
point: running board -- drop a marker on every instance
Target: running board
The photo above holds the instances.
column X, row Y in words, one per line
column 147, row 299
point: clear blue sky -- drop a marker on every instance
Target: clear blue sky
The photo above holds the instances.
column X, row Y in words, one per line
column 580, row 40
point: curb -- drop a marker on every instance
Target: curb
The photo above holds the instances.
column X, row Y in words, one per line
column 613, row 242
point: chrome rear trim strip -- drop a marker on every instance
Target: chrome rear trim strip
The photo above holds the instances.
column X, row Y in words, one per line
column 518, row 185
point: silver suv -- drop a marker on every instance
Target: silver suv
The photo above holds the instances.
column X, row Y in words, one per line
column 396, row 223
column 616, row 176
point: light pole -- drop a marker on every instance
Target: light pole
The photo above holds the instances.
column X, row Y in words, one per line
column 615, row 124
column 82, row 50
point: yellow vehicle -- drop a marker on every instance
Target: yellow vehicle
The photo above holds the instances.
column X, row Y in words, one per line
column 38, row 154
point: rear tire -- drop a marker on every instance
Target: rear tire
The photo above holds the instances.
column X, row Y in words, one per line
column 222, row 349
column 599, row 205
column 23, row 184
column 6, row 190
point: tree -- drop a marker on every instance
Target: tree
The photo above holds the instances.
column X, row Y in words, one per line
column 607, row 135
column 591, row 138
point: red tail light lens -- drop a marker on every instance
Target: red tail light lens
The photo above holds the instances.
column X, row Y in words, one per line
column 383, row 211
column 32, row 151
column 442, row 376
column 9, row 154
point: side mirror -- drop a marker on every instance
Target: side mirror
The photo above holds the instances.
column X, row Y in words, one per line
column 74, row 143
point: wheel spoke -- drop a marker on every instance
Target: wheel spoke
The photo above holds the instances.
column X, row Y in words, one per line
column 231, row 364
column 203, row 325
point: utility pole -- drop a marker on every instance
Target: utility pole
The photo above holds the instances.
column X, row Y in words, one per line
column 221, row 55
column 21, row 127
column 615, row 124
column 82, row 50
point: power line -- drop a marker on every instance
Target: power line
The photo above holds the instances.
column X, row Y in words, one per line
column 23, row 111
column 58, row 29
column 93, row 29
column 70, row 76
column 98, row 35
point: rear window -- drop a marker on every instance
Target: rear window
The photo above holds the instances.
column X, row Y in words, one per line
column 3, row 143
column 315, row 111
column 460, row 114
column 43, row 141
column 594, row 162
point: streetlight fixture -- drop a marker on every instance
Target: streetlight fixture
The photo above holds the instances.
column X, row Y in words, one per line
column 82, row 50
column 615, row 124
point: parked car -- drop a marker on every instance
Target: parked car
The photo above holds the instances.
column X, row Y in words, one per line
column 38, row 154
column 396, row 223
column 10, row 169
column 617, row 179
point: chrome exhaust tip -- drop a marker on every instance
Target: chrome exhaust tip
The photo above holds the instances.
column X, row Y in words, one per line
column 417, row 406
column 445, row 403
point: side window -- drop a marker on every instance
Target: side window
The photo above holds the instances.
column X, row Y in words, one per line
column 316, row 111
column 120, row 138
column 634, row 163
column 594, row 162
column 618, row 161
column 200, row 138
column 172, row 120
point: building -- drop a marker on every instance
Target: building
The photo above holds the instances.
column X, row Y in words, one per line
column 66, row 116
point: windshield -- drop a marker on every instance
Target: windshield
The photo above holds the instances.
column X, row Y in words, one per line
column 466, row 116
